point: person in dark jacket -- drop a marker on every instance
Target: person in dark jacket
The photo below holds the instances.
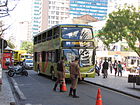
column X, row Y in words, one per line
column 60, row 74
column 105, row 68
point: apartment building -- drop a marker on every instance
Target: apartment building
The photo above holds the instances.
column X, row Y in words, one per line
column 47, row 13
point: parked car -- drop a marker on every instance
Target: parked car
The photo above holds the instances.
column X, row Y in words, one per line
column 28, row 63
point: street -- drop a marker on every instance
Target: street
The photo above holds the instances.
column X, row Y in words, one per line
column 38, row 91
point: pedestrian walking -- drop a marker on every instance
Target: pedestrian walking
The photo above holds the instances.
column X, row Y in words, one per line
column 105, row 68
column 120, row 68
column 60, row 74
column 110, row 65
column 100, row 64
column 74, row 75
column 115, row 65
column 97, row 69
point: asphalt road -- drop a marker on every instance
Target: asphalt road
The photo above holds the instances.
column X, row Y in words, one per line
column 38, row 91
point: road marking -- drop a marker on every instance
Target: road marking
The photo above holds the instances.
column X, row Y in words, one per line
column 17, row 89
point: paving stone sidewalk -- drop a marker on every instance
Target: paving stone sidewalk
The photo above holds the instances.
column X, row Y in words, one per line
column 117, row 83
column 6, row 95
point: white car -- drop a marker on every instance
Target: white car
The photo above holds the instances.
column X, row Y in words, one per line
column 28, row 63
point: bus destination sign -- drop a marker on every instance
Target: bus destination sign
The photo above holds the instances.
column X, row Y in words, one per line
column 77, row 44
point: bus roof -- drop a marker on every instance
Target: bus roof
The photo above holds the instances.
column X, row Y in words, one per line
column 63, row 25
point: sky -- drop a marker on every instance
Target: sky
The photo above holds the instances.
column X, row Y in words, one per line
column 22, row 12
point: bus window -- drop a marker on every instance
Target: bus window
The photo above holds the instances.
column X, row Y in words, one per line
column 39, row 38
column 38, row 56
column 35, row 56
column 49, row 36
column 76, row 33
column 53, row 56
column 43, row 56
column 35, row 40
column 49, row 56
column 44, row 37
column 84, row 54
column 57, row 54
column 56, row 32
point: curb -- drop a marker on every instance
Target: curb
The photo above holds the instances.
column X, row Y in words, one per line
column 113, row 89
column 17, row 90
column 7, row 97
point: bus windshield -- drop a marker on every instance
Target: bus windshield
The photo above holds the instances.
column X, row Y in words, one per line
column 76, row 33
column 85, row 56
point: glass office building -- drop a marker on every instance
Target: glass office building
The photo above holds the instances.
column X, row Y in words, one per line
column 95, row 8
column 36, row 16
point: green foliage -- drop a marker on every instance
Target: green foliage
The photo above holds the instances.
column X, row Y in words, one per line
column 28, row 46
column 122, row 24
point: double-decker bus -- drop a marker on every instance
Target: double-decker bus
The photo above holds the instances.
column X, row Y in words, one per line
column 69, row 41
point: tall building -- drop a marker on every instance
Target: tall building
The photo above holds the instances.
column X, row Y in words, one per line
column 95, row 8
column 36, row 16
column 47, row 13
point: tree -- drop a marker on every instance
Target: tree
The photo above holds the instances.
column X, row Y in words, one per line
column 123, row 24
column 6, row 6
column 28, row 46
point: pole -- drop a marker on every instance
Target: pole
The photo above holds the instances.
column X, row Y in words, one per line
column 1, row 65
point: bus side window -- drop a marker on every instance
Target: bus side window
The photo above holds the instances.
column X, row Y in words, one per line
column 44, row 37
column 39, row 38
column 57, row 55
column 35, row 40
column 49, row 36
column 53, row 56
column 56, row 32
column 49, row 56
column 43, row 56
column 35, row 56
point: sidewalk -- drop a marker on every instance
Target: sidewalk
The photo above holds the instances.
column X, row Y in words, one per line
column 117, row 83
column 6, row 95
